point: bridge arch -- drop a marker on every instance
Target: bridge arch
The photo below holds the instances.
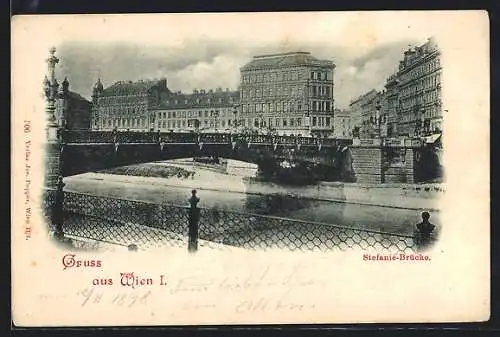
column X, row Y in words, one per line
column 83, row 151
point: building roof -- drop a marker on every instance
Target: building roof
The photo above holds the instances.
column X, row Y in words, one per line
column 123, row 88
column 365, row 97
column 285, row 60
column 199, row 99
column 414, row 55
column 77, row 97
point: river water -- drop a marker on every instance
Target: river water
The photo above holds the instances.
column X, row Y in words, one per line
column 176, row 190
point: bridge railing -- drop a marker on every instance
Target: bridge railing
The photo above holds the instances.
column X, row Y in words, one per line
column 123, row 136
column 86, row 136
column 145, row 224
column 135, row 137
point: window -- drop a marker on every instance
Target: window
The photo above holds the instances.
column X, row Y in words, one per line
column 312, row 75
column 327, row 121
column 299, row 121
column 314, row 121
column 277, row 122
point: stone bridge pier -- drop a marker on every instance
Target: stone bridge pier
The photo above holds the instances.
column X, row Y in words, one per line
column 376, row 161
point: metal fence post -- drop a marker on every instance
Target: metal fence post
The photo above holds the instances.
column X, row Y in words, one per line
column 58, row 211
column 194, row 213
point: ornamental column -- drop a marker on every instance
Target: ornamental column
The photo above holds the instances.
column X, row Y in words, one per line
column 52, row 141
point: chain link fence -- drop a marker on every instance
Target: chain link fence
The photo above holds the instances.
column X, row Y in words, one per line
column 126, row 222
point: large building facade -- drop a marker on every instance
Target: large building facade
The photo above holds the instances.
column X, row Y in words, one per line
column 288, row 93
column 150, row 105
column 127, row 105
column 419, row 83
column 411, row 103
column 342, row 124
column 205, row 111
column 363, row 111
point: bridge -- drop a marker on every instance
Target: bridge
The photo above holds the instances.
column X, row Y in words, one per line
column 84, row 150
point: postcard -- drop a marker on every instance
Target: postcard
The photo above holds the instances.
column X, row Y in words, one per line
column 250, row 168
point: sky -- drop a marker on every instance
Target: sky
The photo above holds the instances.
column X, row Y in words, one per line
column 208, row 61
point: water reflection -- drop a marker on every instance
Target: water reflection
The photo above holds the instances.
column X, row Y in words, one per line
column 285, row 204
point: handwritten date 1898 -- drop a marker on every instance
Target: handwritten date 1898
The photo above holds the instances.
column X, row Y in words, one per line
column 126, row 299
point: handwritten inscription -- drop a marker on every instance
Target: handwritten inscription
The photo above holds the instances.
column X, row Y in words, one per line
column 121, row 299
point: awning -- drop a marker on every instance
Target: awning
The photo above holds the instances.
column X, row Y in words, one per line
column 432, row 138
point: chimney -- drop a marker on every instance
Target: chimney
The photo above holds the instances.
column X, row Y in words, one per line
column 202, row 91
column 211, row 91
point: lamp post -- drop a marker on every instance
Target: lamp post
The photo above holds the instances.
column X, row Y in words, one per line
column 308, row 117
column 216, row 120
column 235, row 120
column 377, row 120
